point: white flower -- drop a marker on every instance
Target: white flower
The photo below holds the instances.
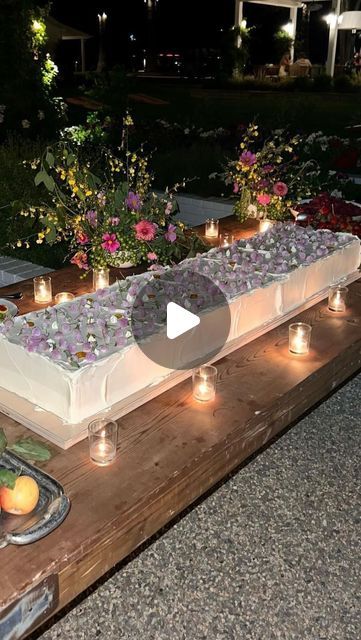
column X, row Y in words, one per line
column 187, row 131
column 41, row 115
column 25, row 124
column 2, row 108
column 252, row 211
column 336, row 193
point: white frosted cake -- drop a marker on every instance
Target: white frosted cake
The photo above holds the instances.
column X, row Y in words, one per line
column 80, row 358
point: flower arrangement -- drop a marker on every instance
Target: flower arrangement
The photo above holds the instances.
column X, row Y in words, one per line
column 268, row 178
column 108, row 221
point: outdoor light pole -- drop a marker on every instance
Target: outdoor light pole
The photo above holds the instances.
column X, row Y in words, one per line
column 332, row 21
column 102, row 19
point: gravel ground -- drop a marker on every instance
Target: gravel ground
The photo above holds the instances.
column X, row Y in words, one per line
column 273, row 553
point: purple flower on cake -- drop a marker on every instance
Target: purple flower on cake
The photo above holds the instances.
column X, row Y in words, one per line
column 133, row 201
column 110, row 242
column 145, row 230
column 248, row 159
column 171, row 234
column 280, row 189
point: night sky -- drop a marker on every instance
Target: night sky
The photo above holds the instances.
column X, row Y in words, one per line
column 179, row 25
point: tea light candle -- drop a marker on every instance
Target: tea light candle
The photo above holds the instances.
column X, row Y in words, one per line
column 42, row 289
column 299, row 338
column 100, row 279
column 264, row 225
column 337, row 299
column 204, row 383
column 102, row 436
column 225, row 240
column 64, row 296
column 212, row 228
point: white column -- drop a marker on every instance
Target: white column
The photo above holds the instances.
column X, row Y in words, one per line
column 332, row 39
column 82, row 53
column 238, row 17
column 293, row 30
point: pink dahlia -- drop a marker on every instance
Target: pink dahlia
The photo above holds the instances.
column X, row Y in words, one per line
column 145, row 230
column 280, row 189
column 110, row 243
column 263, row 199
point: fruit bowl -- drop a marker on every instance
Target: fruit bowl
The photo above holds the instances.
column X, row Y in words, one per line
column 52, row 508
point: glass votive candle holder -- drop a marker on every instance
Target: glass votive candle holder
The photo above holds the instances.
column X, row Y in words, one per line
column 299, row 336
column 265, row 224
column 100, row 279
column 103, row 437
column 64, row 296
column 337, row 298
column 42, row 289
column 204, row 380
column 212, row 228
column 225, row 240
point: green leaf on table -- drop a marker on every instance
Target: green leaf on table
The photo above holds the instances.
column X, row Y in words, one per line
column 31, row 449
column 3, row 441
column 7, row 478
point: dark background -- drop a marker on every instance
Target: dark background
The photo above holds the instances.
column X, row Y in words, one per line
column 177, row 25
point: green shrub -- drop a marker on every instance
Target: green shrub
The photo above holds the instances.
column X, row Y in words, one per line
column 322, row 82
column 344, row 84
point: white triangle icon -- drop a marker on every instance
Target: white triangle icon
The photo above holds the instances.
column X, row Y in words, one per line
column 179, row 320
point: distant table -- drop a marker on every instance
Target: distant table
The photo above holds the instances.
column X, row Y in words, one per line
column 170, row 452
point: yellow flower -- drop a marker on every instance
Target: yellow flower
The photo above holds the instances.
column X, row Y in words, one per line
column 19, row 243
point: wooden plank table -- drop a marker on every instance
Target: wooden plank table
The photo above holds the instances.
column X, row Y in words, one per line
column 170, row 451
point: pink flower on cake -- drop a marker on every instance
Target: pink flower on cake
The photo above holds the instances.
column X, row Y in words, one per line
column 110, row 243
column 171, row 235
column 145, row 230
column 280, row 189
column 263, row 199
column 152, row 256
column 80, row 258
column 82, row 237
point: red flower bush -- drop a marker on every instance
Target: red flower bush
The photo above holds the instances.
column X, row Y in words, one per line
column 328, row 212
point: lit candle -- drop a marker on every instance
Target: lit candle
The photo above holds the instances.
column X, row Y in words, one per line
column 337, row 299
column 100, row 279
column 264, row 225
column 204, row 383
column 299, row 338
column 102, row 441
column 226, row 240
column 212, row 228
column 42, row 289
column 64, row 296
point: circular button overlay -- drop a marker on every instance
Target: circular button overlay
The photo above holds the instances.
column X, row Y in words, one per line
column 199, row 318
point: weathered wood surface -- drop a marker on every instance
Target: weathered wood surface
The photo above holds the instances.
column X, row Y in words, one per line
column 173, row 449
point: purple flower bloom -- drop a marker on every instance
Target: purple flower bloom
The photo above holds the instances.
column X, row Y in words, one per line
column 248, row 159
column 133, row 201
column 92, row 217
column 171, row 234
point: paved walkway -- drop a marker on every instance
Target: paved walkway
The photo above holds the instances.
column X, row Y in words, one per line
column 273, row 553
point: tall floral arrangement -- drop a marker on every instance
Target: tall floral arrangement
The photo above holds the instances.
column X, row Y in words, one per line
column 111, row 220
column 268, row 178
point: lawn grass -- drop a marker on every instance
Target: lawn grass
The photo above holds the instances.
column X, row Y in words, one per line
column 211, row 108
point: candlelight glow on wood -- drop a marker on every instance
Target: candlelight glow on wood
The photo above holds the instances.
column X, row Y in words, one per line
column 225, row 240
column 102, row 435
column 212, row 228
column 299, row 338
column 204, row 383
column 64, row 296
column 42, row 289
column 100, row 279
column 337, row 298
column 265, row 224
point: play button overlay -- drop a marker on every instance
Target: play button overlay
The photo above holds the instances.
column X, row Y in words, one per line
column 179, row 318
